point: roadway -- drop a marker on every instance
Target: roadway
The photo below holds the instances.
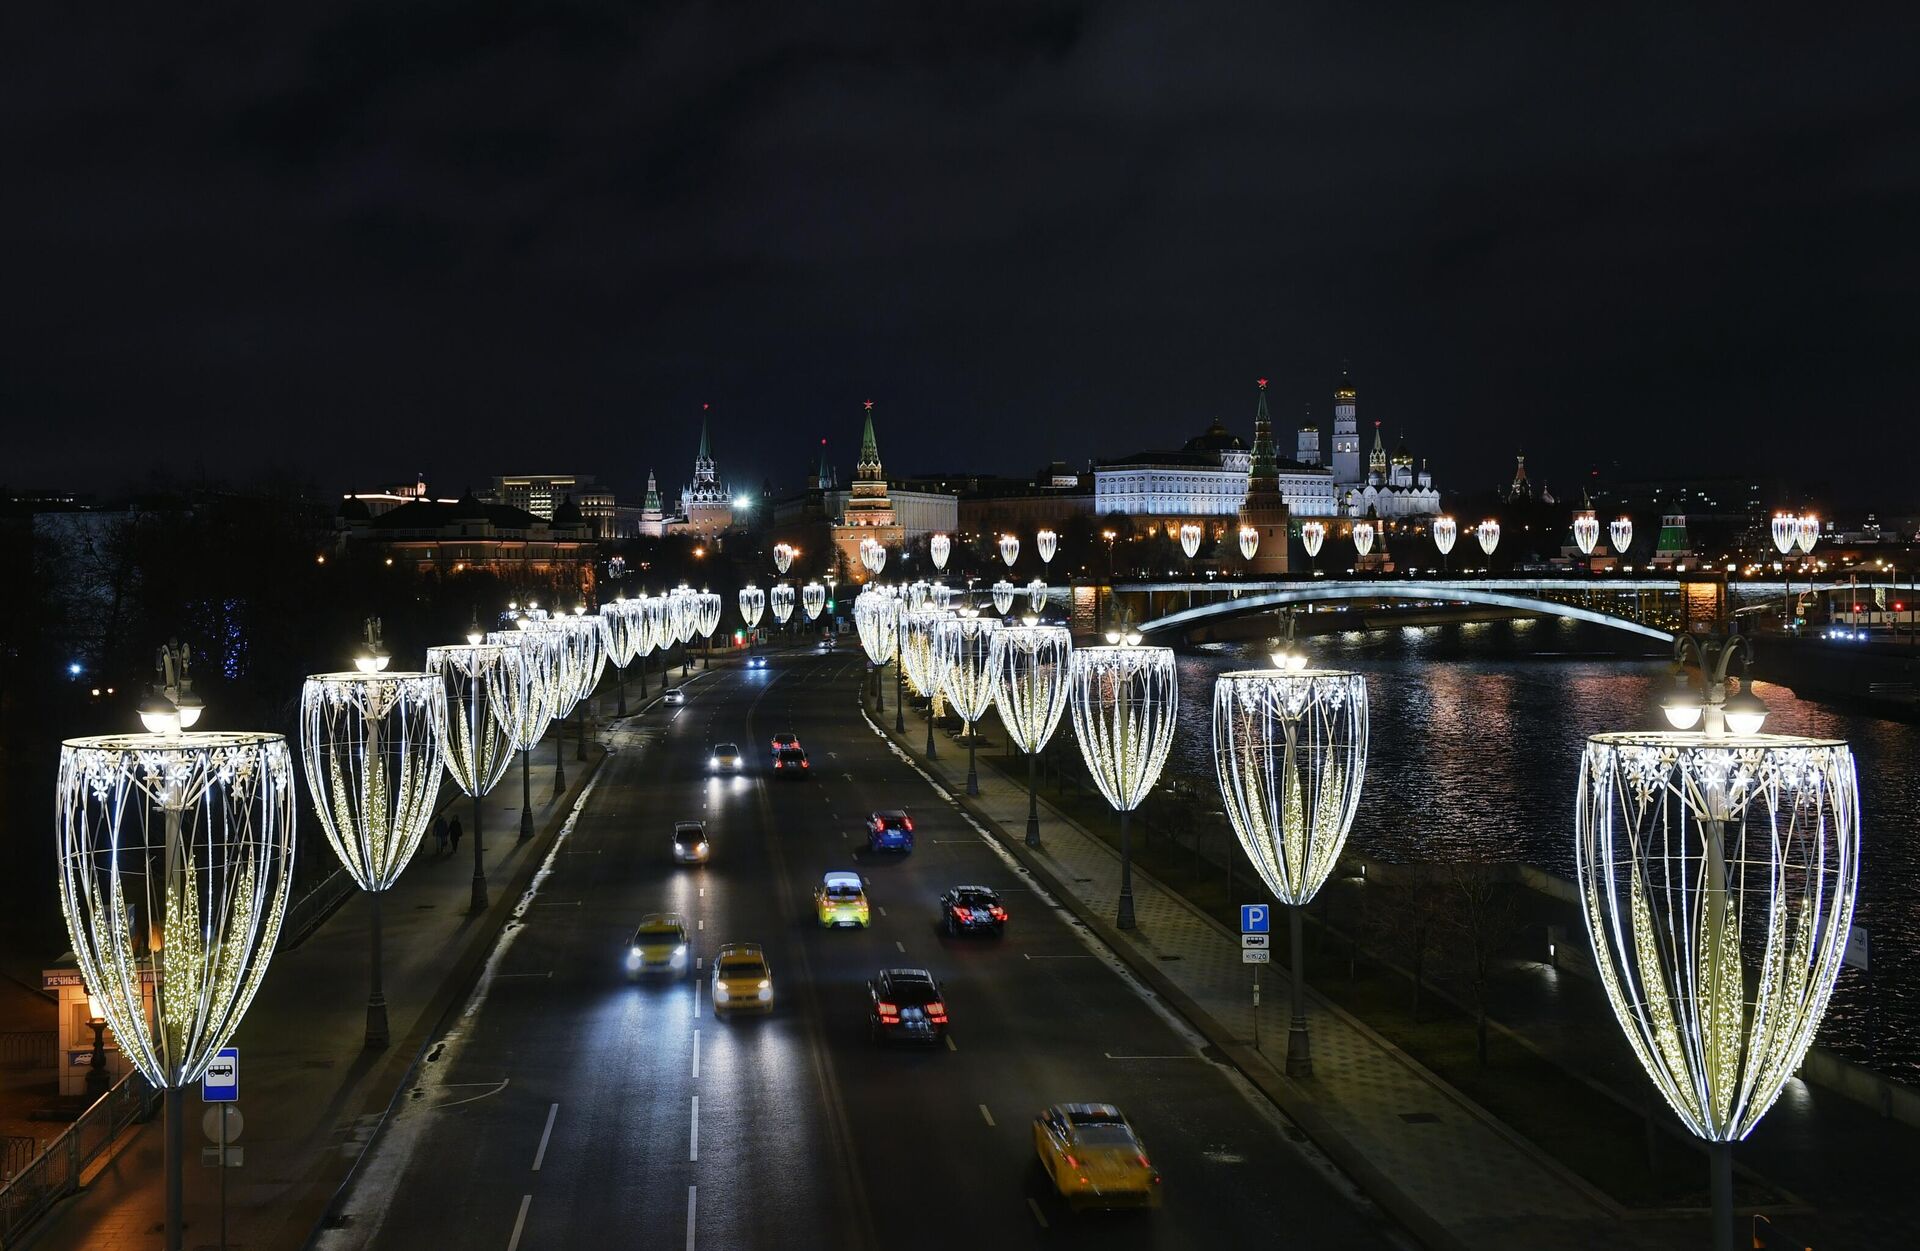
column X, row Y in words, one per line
column 571, row 1107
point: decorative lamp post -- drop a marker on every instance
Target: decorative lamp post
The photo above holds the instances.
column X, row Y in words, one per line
column 619, row 635
column 1030, row 688
column 98, row 1081
column 518, row 696
column 1249, row 542
column 1190, row 536
column 753, row 603
column 940, row 547
column 876, row 618
column 782, row 558
column 1717, row 872
column 1009, row 548
column 1290, row 750
column 1808, row 532
column 780, row 600
column 371, row 746
column 1003, row 593
column 1046, row 543
column 1445, row 532
column 1586, row 528
column 1312, row 535
column 1489, row 535
column 1036, row 596
column 1125, row 700
column 924, row 664
column 1786, row 538
column 1363, row 537
column 707, row 619
column 1621, row 532
column 473, row 742
column 969, row 651
column 942, row 596
column 372, row 656
column 813, row 599
column 175, row 855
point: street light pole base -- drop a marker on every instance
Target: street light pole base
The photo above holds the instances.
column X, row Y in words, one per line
column 377, row 1038
column 1033, row 803
column 973, row 773
column 1299, row 1053
column 1123, row 917
column 479, row 901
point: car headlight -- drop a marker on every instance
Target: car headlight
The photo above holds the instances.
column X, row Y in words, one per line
column 633, row 958
column 713, row 762
column 701, row 849
column 766, row 984
column 719, row 993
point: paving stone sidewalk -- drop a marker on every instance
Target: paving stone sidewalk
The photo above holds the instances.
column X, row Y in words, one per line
column 1457, row 1176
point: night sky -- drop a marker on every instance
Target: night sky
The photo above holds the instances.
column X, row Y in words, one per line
column 364, row 240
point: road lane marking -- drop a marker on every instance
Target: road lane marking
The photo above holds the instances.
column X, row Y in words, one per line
column 696, row 999
column 499, row 976
column 951, row 1045
column 883, row 911
column 1033, row 1205
column 519, row 1223
column 902, row 946
column 696, row 1055
column 987, row 1115
column 1112, row 1056
column 693, row 1140
column 692, row 1192
column 545, row 1134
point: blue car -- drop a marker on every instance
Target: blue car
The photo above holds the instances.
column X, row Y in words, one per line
column 890, row 830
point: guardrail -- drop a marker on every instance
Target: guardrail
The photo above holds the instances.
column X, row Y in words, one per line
column 55, row 1173
column 29, row 1049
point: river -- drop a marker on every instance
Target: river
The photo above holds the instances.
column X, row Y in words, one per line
column 1476, row 738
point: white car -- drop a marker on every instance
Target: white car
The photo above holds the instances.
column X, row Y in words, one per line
column 676, row 695
column 690, row 842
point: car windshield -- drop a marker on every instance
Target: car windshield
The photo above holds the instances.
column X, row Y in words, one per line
column 840, row 890
column 977, row 899
column 789, row 755
column 688, row 837
column 726, row 749
column 913, row 991
column 740, row 966
column 1104, row 1134
column 659, row 933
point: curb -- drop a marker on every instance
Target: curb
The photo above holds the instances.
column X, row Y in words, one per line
column 395, row 1076
column 1281, row 1091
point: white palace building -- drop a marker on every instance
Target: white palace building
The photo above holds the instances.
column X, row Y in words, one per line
column 1207, row 477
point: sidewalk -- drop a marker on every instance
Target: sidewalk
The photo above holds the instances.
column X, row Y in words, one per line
column 310, row 1092
column 1450, row 1172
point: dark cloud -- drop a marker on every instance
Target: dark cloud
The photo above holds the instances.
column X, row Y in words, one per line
column 467, row 239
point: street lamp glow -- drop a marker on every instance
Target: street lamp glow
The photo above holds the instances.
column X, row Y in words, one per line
column 1808, row 532
column 753, row 603
column 1249, row 542
column 1445, row 532
column 1125, row 701
column 1621, row 532
column 1009, row 548
column 782, row 557
column 780, row 599
column 1312, row 535
column 813, row 598
column 1586, row 531
column 1046, row 543
column 941, row 547
column 1190, row 535
column 1488, row 532
column 1786, row 533
column 1363, row 537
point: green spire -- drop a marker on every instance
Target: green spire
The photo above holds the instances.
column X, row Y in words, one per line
column 1263, row 464
column 706, row 446
column 869, row 448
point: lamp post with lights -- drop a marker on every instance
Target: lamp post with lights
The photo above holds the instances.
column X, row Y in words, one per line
column 1312, row 535
column 1125, row 700
column 518, row 695
column 968, row 647
column 175, row 854
column 474, row 742
column 1717, row 870
column 1030, row 689
column 1290, row 751
column 1445, row 532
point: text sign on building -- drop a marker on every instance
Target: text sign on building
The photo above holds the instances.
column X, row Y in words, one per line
column 1254, row 918
column 222, row 1081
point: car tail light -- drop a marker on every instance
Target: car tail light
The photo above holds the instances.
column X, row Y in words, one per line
column 962, row 912
column 937, row 1011
column 906, row 823
column 998, row 913
column 887, row 1010
column 1073, row 1163
column 778, row 765
column 805, row 765
column 1143, row 1161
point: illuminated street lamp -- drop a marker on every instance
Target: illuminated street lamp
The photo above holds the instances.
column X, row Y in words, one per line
column 1003, row 593
column 923, row 663
column 782, row 558
column 1586, row 527
column 1620, row 530
column 1125, row 700
column 1009, row 548
column 1445, row 532
column 753, row 603
column 1808, row 533
column 1249, row 542
column 1036, row 596
column 1488, row 532
column 371, row 747
column 372, row 657
column 1312, row 535
column 1030, row 689
column 813, row 599
column 1046, row 543
column 876, row 619
column 706, row 619
column 1717, row 871
column 519, row 696
column 175, row 856
column 1363, row 537
column 473, row 743
column 969, row 661
column 1190, row 536
column 1290, row 750
column 170, row 705
column 940, row 546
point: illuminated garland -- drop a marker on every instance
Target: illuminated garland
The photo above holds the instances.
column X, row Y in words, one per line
column 175, row 856
column 813, row 597
column 1290, row 752
column 753, row 602
column 370, row 744
column 518, row 688
column 1030, row 684
column 780, row 600
column 473, row 743
column 967, row 655
column 1717, row 878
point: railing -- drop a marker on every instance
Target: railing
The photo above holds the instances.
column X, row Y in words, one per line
column 55, row 1173
column 308, row 911
column 29, row 1049
column 20, row 1151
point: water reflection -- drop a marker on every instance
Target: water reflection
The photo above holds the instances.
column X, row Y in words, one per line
column 1477, row 731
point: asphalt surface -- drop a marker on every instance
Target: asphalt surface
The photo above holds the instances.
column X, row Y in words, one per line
column 573, row 1107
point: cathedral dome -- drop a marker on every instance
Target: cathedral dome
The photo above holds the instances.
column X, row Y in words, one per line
column 1216, row 438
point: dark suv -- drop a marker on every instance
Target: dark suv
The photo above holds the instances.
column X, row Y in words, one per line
column 973, row 910
column 906, row 1004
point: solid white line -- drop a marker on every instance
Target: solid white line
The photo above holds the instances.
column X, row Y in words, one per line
column 986, row 1114
column 696, row 1055
column 519, row 1222
column 692, row 1191
column 545, row 1134
column 1033, row 1205
column 693, row 1143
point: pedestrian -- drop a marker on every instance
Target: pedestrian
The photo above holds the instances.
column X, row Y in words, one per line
column 454, row 831
column 440, row 834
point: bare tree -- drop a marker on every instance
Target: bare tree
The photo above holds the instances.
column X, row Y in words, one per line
column 1482, row 918
column 1408, row 919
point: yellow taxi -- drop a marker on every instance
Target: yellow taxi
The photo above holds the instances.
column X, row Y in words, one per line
column 742, row 981
column 659, row 944
column 1094, row 1158
column 839, row 900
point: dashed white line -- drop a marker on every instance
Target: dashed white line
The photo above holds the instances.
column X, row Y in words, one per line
column 696, row 999
column 696, row 1055
column 692, row 1193
column 545, row 1134
column 693, row 1141
column 952, row 1045
column 1033, row 1205
column 986, row 1115
column 519, row 1222
column 883, row 910
column 902, row 946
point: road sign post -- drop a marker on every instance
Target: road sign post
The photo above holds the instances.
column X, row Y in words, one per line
column 1254, row 922
column 221, row 1087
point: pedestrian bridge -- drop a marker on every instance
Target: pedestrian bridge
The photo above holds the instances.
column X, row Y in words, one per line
column 1653, row 608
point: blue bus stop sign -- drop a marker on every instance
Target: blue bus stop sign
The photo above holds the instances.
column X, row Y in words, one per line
column 1253, row 918
column 222, row 1081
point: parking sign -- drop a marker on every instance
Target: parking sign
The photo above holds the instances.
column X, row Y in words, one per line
column 1253, row 918
column 222, row 1081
